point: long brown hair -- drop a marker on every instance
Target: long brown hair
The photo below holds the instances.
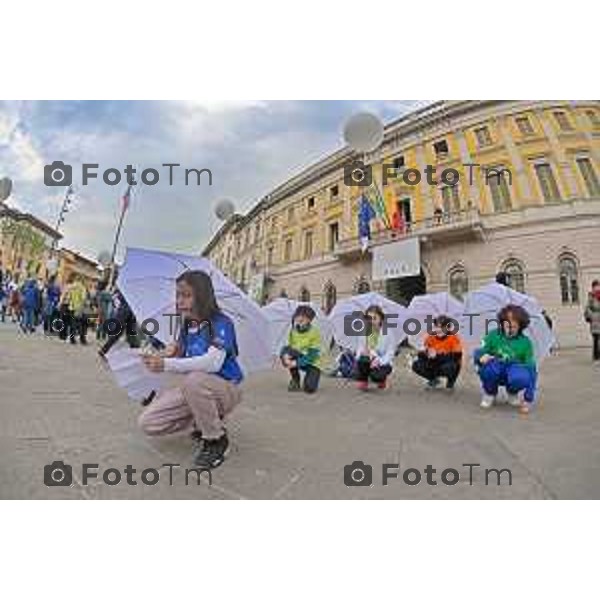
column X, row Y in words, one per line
column 204, row 303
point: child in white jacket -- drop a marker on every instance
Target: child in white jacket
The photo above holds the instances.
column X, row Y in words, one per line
column 376, row 352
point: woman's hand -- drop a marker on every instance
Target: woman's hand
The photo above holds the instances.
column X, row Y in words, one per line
column 154, row 363
column 485, row 358
column 170, row 351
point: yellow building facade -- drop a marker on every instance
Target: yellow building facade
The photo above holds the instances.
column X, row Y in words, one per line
column 527, row 202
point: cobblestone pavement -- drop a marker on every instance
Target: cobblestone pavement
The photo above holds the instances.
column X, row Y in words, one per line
column 58, row 402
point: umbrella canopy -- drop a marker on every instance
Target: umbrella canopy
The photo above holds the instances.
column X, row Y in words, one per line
column 484, row 304
column 341, row 321
column 433, row 305
column 147, row 280
column 279, row 314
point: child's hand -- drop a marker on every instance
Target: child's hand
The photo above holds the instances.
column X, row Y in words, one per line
column 431, row 353
column 375, row 364
column 485, row 358
column 154, row 363
column 292, row 364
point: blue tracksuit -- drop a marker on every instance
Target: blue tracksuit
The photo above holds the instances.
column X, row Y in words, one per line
column 515, row 377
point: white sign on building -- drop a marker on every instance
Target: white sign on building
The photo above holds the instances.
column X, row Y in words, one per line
column 398, row 259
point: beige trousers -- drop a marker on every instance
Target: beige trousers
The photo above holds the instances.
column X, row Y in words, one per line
column 194, row 401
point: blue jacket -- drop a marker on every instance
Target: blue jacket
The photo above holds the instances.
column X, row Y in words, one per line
column 31, row 295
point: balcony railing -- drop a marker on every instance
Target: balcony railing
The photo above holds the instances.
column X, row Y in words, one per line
column 464, row 223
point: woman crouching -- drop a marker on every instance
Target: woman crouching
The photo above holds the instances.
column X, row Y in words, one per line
column 205, row 371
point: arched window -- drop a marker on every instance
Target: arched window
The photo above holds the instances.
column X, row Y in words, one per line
column 569, row 279
column 283, row 294
column 304, row 295
column 458, row 282
column 329, row 297
column 515, row 274
column 362, row 286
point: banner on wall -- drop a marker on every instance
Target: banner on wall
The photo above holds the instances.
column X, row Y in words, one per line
column 256, row 289
column 398, row 259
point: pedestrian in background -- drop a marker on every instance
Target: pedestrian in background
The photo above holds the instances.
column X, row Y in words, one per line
column 30, row 295
column 592, row 317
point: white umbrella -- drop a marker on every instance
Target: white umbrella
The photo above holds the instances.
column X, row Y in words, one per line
column 147, row 280
column 481, row 308
column 279, row 313
column 340, row 318
column 428, row 306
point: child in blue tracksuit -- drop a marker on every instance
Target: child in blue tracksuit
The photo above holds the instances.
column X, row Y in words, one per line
column 30, row 304
column 506, row 358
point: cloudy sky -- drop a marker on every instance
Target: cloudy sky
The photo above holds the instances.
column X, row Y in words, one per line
column 250, row 147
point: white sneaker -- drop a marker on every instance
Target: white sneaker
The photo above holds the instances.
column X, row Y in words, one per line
column 515, row 400
column 487, row 401
column 503, row 396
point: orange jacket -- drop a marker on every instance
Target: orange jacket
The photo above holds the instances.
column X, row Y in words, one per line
column 451, row 344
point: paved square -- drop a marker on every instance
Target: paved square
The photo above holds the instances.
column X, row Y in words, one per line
column 58, row 402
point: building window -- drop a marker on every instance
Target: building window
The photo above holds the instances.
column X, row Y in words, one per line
column 547, row 182
column 563, row 121
column 586, row 168
column 450, row 199
column 283, row 294
column 334, row 236
column 398, row 162
column 499, row 190
column 269, row 256
column 524, row 125
column 483, row 137
column 290, row 214
column 310, row 203
column 458, row 282
column 362, row 286
column 304, row 295
column 441, row 149
column 308, row 244
column 592, row 115
column 287, row 250
column 256, row 232
column 334, row 192
column 569, row 280
column 273, row 222
column 515, row 275
column 330, row 297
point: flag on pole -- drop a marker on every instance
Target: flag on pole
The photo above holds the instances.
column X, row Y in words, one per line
column 379, row 205
column 365, row 214
column 126, row 198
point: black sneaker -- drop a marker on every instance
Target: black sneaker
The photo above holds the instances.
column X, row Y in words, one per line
column 294, row 386
column 212, row 453
column 197, row 443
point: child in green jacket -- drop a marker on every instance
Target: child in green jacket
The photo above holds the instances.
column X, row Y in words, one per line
column 506, row 358
column 303, row 351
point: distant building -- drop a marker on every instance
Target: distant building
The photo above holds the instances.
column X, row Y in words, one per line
column 25, row 243
column 73, row 263
column 527, row 203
